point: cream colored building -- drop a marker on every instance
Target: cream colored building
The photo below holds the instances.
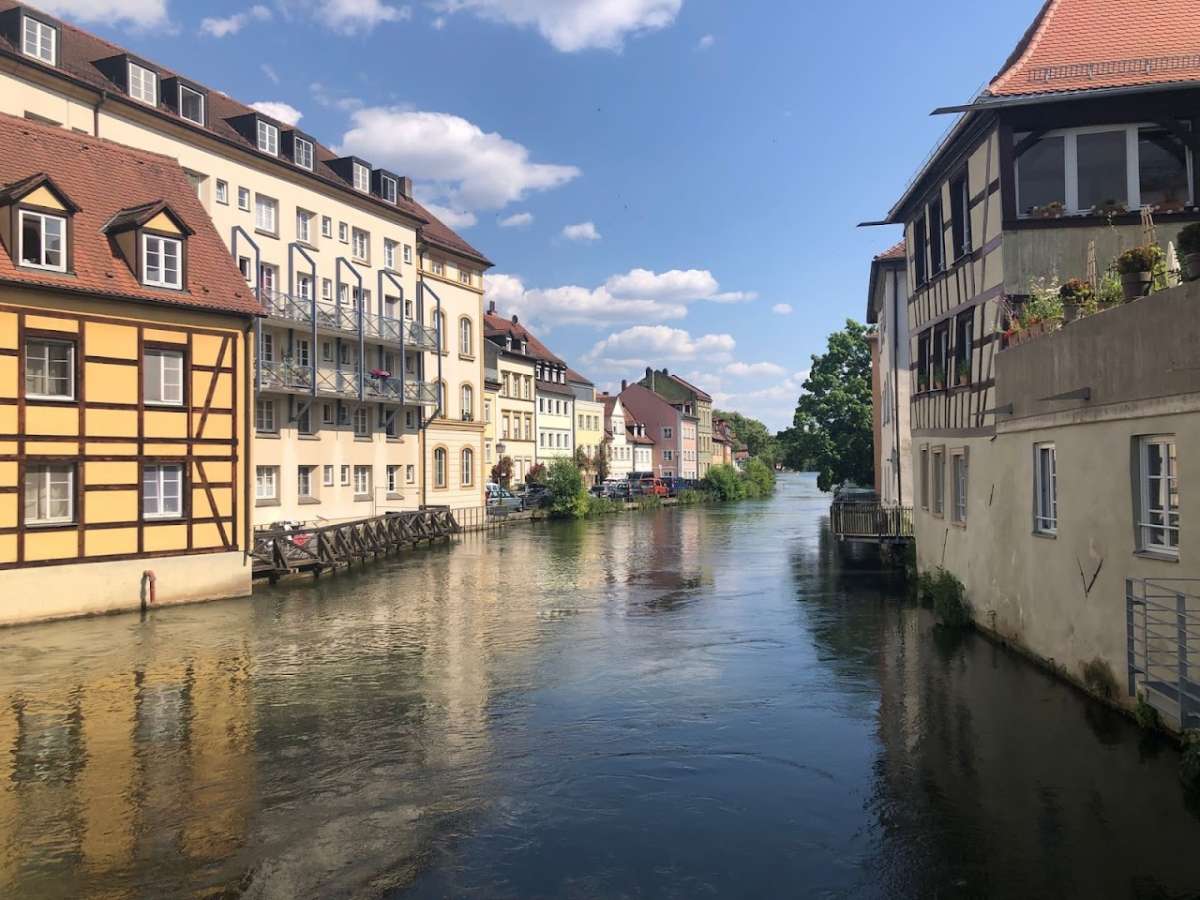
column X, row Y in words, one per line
column 349, row 419
column 589, row 418
column 516, row 414
column 619, row 449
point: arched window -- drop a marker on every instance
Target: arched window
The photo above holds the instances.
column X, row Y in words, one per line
column 467, row 396
column 464, row 336
column 443, row 399
column 468, row 467
column 439, row 467
column 439, row 322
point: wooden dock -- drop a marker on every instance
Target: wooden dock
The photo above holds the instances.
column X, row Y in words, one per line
column 281, row 552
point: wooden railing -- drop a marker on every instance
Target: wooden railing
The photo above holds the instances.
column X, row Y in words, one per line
column 871, row 522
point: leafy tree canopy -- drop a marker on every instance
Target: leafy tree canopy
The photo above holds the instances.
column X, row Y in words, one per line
column 753, row 433
column 832, row 427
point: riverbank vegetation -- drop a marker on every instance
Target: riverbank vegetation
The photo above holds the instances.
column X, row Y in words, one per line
column 946, row 594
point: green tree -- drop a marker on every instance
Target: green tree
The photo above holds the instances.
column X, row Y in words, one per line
column 502, row 471
column 753, row 433
column 600, row 461
column 568, row 497
column 832, row 428
column 536, row 474
column 723, row 483
column 758, row 479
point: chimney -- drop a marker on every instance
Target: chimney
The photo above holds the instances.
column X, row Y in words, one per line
column 492, row 308
column 665, row 372
column 406, row 187
column 649, row 372
column 624, row 385
column 514, row 318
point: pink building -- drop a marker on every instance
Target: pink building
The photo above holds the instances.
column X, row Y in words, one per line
column 664, row 425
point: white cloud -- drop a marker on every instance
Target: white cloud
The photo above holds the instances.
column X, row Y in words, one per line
column 652, row 345
column 782, row 309
column 144, row 15
column 636, row 296
column 271, row 74
column 771, row 399
column 453, row 218
column 223, row 27
column 755, row 370
column 455, row 163
column 357, row 16
column 705, row 42
column 324, row 97
column 284, row 112
column 675, row 285
column 584, row 231
column 573, row 25
column 517, row 220
column 438, row 24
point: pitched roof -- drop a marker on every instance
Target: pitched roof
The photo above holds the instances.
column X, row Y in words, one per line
column 1082, row 45
column 497, row 326
column 700, row 395
column 104, row 178
column 574, row 376
column 896, row 251
column 79, row 51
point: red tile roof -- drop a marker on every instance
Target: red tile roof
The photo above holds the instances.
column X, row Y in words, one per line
column 1081, row 45
column 497, row 326
column 574, row 376
column 896, row 251
column 79, row 52
column 104, row 179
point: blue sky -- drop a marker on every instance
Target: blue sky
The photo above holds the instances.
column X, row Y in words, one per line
column 654, row 179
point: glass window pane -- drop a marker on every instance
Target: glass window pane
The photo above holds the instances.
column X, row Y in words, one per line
column 1041, row 175
column 31, row 239
column 1162, row 170
column 1103, row 170
column 152, row 377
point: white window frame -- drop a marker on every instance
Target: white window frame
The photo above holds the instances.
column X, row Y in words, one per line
column 938, row 459
column 164, row 243
column 326, row 227
column 361, row 177
column 144, row 77
column 408, row 254
column 43, row 218
column 262, row 202
column 304, row 226
column 466, row 337
column 360, row 236
column 203, row 104
column 466, row 397
column 1146, row 489
column 389, row 254
column 466, row 475
column 304, row 158
column 393, row 479
column 1133, row 174
column 960, row 485
column 345, row 476
column 159, row 471
column 389, row 189
column 222, row 192
column 244, row 199
column 362, row 481
column 162, row 379
column 327, row 475
column 266, row 476
column 1045, row 488
column 361, row 415
column 305, row 473
column 264, row 416
column 267, row 137
column 40, row 31
column 45, row 473
column 48, row 342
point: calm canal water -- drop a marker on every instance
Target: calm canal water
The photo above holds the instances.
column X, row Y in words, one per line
column 692, row 703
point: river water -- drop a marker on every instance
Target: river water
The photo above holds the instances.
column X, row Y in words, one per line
column 705, row 702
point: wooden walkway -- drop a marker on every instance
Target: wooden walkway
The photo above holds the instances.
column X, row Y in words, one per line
column 871, row 522
column 279, row 552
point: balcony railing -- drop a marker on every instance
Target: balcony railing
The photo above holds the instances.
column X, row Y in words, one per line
column 284, row 306
column 422, row 337
column 286, row 376
column 344, row 318
column 874, row 522
column 333, row 381
column 420, row 393
column 1162, row 636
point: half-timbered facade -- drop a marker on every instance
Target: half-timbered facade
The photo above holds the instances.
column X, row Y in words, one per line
column 361, row 349
column 125, row 386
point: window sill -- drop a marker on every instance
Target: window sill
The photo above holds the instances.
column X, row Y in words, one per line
column 1157, row 555
column 308, row 437
column 163, row 520
column 265, row 233
column 362, row 498
column 308, row 501
column 308, row 245
column 1045, row 535
column 363, row 439
column 465, row 357
column 392, row 495
column 51, row 526
column 267, row 435
column 260, row 502
column 154, row 404
column 47, row 398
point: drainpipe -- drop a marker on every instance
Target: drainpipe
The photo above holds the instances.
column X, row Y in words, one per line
column 896, row 381
column 246, row 443
column 96, row 113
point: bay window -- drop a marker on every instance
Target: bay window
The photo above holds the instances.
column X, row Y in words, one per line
column 1102, row 170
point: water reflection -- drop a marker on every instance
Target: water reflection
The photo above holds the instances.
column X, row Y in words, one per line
column 701, row 702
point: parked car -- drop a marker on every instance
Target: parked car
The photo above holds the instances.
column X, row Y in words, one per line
column 613, row 489
column 652, row 487
column 534, row 496
column 502, row 500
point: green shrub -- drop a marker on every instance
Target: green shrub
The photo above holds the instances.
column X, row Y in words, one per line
column 1146, row 715
column 568, row 497
column 945, row 593
column 723, row 483
column 689, row 497
column 650, row 501
column 1099, row 679
column 1139, row 259
column 603, row 506
column 759, row 478
column 1189, row 764
column 1189, row 239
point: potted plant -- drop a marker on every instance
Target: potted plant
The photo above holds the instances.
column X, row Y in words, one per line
column 1075, row 295
column 922, row 382
column 1110, row 207
column 939, row 378
column 1136, row 267
column 1052, row 210
column 964, row 371
column 1189, row 250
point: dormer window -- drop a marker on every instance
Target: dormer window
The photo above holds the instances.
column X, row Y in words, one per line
column 268, row 138
column 143, row 84
column 43, row 241
column 302, row 152
column 39, row 40
column 388, row 188
column 191, row 104
column 362, row 178
column 162, row 262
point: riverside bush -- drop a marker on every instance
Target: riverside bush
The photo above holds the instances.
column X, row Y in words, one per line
column 723, row 483
column 946, row 594
column 568, row 497
column 759, row 478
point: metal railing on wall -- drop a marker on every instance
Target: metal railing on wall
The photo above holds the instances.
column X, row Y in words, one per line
column 871, row 522
column 1162, row 634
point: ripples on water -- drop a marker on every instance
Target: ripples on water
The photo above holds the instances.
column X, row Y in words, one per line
column 690, row 703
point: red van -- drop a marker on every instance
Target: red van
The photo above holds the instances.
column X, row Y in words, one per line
column 653, row 487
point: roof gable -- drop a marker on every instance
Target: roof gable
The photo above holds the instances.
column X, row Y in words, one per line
column 28, row 189
column 147, row 214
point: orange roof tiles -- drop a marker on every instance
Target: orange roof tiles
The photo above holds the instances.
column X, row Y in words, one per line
column 896, row 251
column 104, row 179
column 1081, row 45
